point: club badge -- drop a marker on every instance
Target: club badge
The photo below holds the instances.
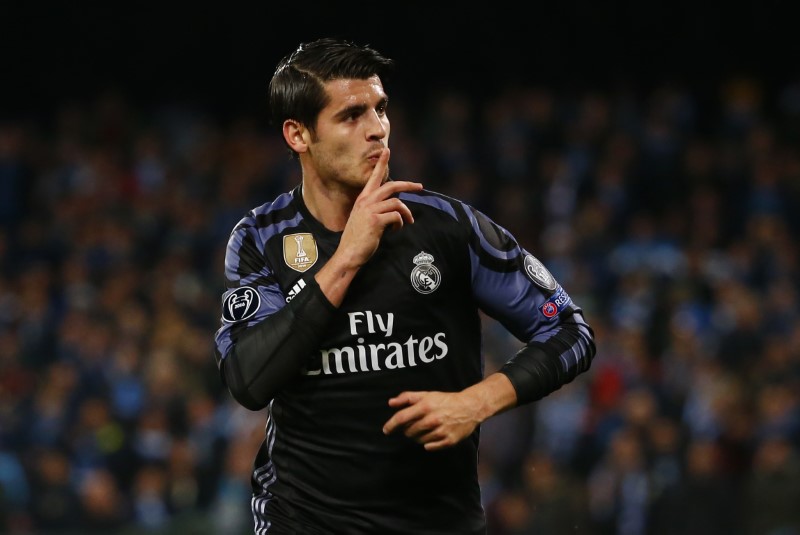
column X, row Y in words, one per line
column 299, row 251
column 539, row 274
column 425, row 277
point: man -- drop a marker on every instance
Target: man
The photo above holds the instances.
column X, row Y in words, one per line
column 352, row 313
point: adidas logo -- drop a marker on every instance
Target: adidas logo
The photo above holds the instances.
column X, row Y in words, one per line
column 295, row 290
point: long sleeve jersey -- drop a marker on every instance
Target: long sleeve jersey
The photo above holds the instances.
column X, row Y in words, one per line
column 410, row 321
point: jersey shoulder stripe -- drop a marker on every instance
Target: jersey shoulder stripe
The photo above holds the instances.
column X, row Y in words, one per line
column 251, row 234
column 267, row 213
column 492, row 244
column 245, row 258
column 433, row 199
column 492, row 238
column 274, row 207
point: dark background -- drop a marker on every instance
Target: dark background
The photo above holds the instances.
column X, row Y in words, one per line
column 145, row 201
column 221, row 57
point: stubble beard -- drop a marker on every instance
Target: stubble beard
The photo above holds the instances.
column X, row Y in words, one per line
column 355, row 185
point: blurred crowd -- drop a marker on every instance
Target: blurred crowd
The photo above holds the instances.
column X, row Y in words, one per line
column 671, row 217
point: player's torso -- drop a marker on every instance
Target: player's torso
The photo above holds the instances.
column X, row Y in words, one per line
column 408, row 322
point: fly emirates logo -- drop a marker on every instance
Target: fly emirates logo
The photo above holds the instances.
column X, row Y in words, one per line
column 387, row 355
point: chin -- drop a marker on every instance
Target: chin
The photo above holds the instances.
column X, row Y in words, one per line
column 355, row 185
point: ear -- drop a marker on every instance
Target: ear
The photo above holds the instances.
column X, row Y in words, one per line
column 295, row 134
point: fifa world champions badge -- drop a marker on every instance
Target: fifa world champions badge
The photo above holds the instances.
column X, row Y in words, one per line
column 300, row 251
column 425, row 277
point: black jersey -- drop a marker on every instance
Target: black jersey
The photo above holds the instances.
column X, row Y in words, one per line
column 409, row 321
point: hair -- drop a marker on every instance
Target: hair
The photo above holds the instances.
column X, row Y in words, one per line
column 297, row 90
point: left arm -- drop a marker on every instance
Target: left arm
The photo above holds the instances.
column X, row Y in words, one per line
column 512, row 286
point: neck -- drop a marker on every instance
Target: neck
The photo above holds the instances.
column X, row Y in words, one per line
column 329, row 206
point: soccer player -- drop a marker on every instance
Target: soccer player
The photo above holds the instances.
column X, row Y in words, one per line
column 352, row 314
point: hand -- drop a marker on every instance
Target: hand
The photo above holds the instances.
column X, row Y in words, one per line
column 375, row 209
column 437, row 420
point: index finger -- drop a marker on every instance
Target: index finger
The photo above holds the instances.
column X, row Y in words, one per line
column 402, row 418
column 405, row 398
column 378, row 172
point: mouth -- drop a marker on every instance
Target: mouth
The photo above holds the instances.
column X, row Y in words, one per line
column 374, row 155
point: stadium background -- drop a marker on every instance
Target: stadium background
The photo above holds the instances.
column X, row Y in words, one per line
column 649, row 154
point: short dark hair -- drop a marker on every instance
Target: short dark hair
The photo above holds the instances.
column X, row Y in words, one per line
column 296, row 90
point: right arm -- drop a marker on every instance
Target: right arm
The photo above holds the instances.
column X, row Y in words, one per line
column 258, row 357
column 264, row 341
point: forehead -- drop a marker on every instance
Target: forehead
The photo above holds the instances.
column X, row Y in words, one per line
column 354, row 92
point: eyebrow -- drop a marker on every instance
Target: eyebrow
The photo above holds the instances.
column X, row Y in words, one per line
column 359, row 109
column 356, row 109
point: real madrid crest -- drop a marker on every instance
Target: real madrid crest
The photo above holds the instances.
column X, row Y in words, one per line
column 425, row 277
column 300, row 251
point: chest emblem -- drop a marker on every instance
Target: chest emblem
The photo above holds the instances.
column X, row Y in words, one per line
column 425, row 277
column 300, row 251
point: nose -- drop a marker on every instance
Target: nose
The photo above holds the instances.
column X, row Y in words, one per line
column 378, row 126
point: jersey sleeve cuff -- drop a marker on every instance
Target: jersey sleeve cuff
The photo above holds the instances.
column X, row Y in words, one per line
column 533, row 373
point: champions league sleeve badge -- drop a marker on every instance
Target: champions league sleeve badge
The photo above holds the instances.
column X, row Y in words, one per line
column 539, row 274
column 241, row 304
column 425, row 277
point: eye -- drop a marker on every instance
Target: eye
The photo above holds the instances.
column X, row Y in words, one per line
column 381, row 108
column 353, row 114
